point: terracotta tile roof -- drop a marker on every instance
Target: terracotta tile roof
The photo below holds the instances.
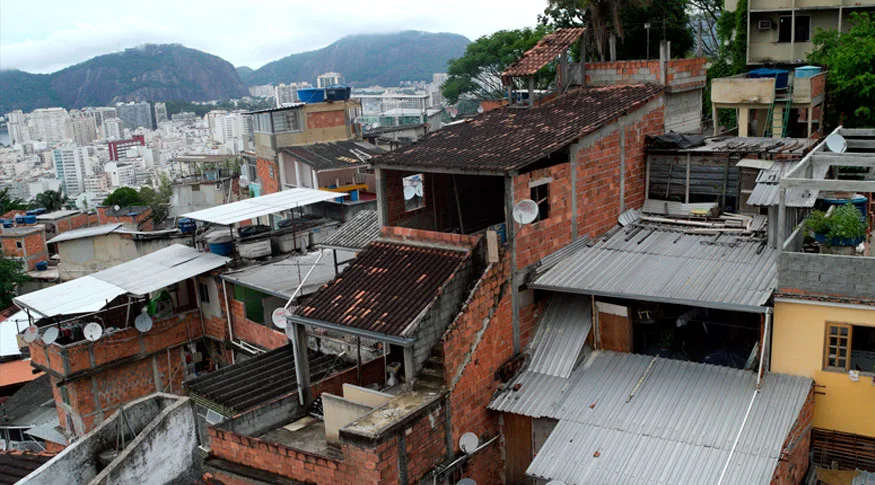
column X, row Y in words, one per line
column 545, row 51
column 385, row 288
column 507, row 139
column 16, row 372
column 15, row 465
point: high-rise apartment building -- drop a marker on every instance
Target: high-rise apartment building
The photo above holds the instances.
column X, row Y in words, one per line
column 286, row 94
column 80, row 128
column 234, row 131
column 160, row 113
column 113, row 129
column 16, row 123
column 262, row 91
column 72, row 166
column 121, row 174
column 329, row 78
column 48, row 124
column 135, row 115
column 781, row 31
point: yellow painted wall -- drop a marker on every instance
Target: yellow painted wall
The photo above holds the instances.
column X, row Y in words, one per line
column 797, row 348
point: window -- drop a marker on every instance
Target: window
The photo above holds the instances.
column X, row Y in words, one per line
column 541, row 195
column 18, row 244
column 252, row 303
column 414, row 195
column 203, row 292
column 838, row 342
column 803, row 28
column 285, row 121
column 196, row 187
column 270, row 171
column 262, row 123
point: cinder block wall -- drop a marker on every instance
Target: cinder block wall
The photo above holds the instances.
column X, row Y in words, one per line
column 826, row 275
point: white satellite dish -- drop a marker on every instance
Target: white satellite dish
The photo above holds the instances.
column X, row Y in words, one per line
column 480, row 109
column 116, row 207
column 50, row 335
column 143, row 322
column 409, row 192
column 469, row 442
column 31, row 333
column 525, row 211
column 290, row 332
column 418, row 189
column 93, row 331
column 466, row 481
column 278, row 317
column 836, row 143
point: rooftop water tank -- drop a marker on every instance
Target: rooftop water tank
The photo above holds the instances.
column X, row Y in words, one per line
column 42, row 265
column 808, row 71
column 338, row 92
column 780, row 76
column 30, row 219
column 311, row 95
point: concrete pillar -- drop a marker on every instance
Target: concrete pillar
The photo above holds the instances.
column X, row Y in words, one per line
column 302, row 363
column 810, row 117
column 409, row 367
column 714, row 121
column 743, row 121
column 382, row 209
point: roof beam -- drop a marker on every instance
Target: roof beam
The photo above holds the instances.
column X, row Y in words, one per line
column 845, row 159
column 830, row 185
column 859, row 132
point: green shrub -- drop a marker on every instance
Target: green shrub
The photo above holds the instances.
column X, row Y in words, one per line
column 845, row 222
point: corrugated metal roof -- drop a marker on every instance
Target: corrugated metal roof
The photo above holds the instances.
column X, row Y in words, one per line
column 533, row 394
column 545, row 51
column 335, row 154
column 84, row 232
column 561, row 334
column 140, row 276
column 9, row 329
column 261, row 206
column 677, row 209
column 678, row 427
column 282, row 277
column 356, row 233
column 160, row 269
column 59, row 214
column 650, row 263
column 767, row 189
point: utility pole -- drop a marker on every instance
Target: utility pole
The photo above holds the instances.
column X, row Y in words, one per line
column 647, row 28
column 699, row 38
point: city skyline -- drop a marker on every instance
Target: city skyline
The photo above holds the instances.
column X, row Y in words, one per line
column 58, row 35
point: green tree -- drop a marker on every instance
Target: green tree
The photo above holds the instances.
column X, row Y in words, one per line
column 731, row 56
column 158, row 200
column 849, row 58
column 7, row 203
column 668, row 19
column 477, row 74
column 123, row 197
column 50, row 200
column 11, row 276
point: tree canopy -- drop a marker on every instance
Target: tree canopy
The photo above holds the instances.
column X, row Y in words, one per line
column 11, row 275
column 7, row 203
column 157, row 200
column 477, row 74
column 849, row 58
column 50, row 200
column 123, row 197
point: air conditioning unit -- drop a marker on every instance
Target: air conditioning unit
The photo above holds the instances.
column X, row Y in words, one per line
column 764, row 24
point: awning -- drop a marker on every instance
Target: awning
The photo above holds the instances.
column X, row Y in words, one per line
column 140, row 276
column 649, row 263
column 244, row 210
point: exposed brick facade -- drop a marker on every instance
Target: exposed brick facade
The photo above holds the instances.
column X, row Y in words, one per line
column 254, row 332
column 794, row 454
column 268, row 174
column 680, row 74
column 325, row 119
column 143, row 220
column 69, row 223
column 29, row 247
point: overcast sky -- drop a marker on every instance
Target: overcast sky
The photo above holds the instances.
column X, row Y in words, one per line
column 44, row 36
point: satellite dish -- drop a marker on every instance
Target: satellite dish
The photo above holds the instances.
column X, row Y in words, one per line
column 93, row 331
column 836, row 143
column 290, row 332
column 466, row 481
column 525, row 211
column 469, row 442
column 50, row 335
column 418, row 189
column 409, row 192
column 116, row 207
column 143, row 322
column 31, row 333
column 480, row 109
column 279, row 317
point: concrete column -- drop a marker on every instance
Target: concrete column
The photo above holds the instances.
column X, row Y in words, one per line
column 302, row 364
column 743, row 121
column 382, row 210
column 409, row 367
column 810, row 116
column 714, row 121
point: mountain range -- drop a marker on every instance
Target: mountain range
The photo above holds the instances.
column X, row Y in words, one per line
column 165, row 72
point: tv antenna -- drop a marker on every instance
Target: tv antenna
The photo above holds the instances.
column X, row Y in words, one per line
column 93, row 331
column 836, row 143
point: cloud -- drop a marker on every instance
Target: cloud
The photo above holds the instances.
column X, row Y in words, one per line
column 48, row 35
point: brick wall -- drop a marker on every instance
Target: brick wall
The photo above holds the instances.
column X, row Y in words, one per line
column 253, row 332
column 681, row 74
column 598, row 174
column 143, row 220
column 826, row 275
column 264, row 168
column 534, row 241
column 33, row 248
column 326, row 119
column 70, row 223
column 403, row 234
column 794, row 454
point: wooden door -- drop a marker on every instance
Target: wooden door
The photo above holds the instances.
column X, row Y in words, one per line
column 614, row 327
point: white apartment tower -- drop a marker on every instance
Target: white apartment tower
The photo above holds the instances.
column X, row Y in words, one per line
column 48, row 124
column 16, row 123
column 80, row 128
column 113, row 129
column 72, row 166
column 160, row 113
column 329, row 78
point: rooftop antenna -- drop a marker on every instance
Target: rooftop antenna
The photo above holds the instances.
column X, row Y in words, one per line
column 51, row 335
column 93, row 331
column 525, row 211
column 143, row 322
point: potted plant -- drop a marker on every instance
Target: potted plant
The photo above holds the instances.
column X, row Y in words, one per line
column 844, row 227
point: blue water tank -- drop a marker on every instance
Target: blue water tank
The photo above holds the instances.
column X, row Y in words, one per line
column 42, row 265
column 7, row 223
column 859, row 202
column 338, row 92
column 222, row 248
column 311, row 95
column 30, row 219
column 780, row 76
column 808, row 71
column 186, row 225
column 32, row 212
column 20, row 219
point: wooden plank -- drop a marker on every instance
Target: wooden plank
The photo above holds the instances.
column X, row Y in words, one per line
column 492, row 246
column 615, row 332
column 518, row 448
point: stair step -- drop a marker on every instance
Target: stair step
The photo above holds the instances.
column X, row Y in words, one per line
column 432, row 372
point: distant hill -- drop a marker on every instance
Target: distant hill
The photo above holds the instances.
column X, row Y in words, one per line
column 244, row 72
column 368, row 59
column 153, row 72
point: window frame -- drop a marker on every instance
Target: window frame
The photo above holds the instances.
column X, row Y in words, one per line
column 794, row 33
column 542, row 201
column 419, row 200
column 203, row 291
column 848, row 343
